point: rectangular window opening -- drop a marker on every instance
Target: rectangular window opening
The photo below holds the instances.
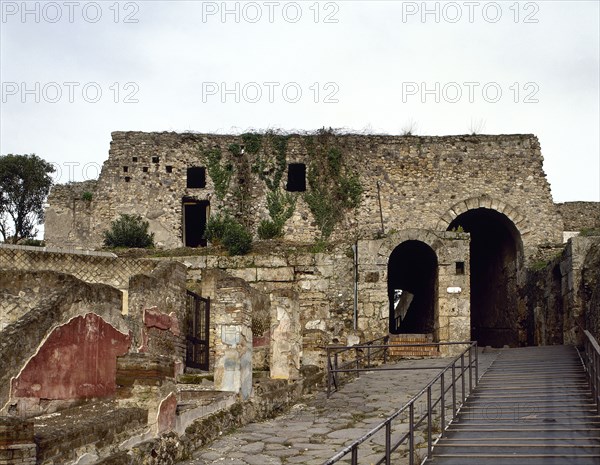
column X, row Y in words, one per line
column 296, row 181
column 145, row 169
column 169, row 169
column 127, row 179
column 134, row 159
column 155, row 159
column 125, row 169
column 196, row 177
column 460, row 267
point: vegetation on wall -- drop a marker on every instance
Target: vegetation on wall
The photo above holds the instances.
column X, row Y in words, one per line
column 129, row 231
column 334, row 189
column 219, row 172
column 224, row 229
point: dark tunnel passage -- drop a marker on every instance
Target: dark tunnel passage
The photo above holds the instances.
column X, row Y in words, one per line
column 495, row 251
column 412, row 277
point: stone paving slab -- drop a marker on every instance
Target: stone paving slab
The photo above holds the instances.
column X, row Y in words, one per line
column 316, row 428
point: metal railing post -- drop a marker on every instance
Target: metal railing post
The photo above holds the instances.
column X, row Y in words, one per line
column 476, row 363
column 357, row 363
column 462, row 376
column 388, row 443
column 443, row 404
column 335, row 367
column 411, row 434
column 355, row 455
column 470, row 369
column 454, row 390
column 429, row 445
column 329, row 374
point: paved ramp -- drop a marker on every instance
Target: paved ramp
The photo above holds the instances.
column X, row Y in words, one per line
column 532, row 407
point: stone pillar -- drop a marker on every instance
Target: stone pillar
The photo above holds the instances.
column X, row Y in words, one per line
column 453, row 319
column 17, row 446
column 286, row 335
column 232, row 310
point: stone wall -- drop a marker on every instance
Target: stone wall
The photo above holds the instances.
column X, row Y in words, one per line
column 423, row 182
column 562, row 296
column 91, row 267
column 311, row 296
column 578, row 216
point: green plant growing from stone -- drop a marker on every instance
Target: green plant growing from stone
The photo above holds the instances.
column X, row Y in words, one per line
column 129, row 231
column 224, row 229
column 219, row 172
column 281, row 206
column 87, row 196
column 333, row 188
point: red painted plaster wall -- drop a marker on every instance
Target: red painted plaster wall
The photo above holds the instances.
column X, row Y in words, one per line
column 78, row 360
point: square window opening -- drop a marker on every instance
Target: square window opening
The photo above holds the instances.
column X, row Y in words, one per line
column 169, row 169
column 134, row 159
column 155, row 159
column 196, row 177
column 460, row 267
column 296, row 181
column 127, row 179
column 145, row 169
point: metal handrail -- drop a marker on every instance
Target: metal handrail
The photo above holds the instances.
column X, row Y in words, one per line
column 457, row 365
column 592, row 365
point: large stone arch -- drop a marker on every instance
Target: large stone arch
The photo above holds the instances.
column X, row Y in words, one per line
column 485, row 201
column 496, row 263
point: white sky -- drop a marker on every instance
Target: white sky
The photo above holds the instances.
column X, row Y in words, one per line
column 369, row 65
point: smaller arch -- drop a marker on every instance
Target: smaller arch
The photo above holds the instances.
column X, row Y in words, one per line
column 412, row 284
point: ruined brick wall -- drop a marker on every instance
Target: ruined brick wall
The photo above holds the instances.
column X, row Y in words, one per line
column 580, row 215
column 91, row 267
column 590, row 292
column 424, row 182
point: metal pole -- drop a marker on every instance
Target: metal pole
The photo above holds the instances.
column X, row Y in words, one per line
column 476, row 364
column 355, row 455
column 411, row 434
column 462, row 376
column 388, row 443
column 429, row 446
column 470, row 370
column 454, row 390
column 443, row 404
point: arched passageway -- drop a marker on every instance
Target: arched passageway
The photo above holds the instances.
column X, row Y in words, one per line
column 496, row 251
column 412, row 278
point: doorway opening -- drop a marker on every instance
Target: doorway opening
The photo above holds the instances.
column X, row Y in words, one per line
column 496, row 249
column 412, row 283
column 195, row 214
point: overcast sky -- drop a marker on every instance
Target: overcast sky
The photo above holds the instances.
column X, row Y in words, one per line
column 72, row 72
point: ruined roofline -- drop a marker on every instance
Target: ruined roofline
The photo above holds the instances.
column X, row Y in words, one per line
column 461, row 137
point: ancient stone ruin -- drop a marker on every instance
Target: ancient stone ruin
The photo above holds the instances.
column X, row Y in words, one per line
column 440, row 239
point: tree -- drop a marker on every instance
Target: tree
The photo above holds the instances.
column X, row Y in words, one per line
column 24, row 185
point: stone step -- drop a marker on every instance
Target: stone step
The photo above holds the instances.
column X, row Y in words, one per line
column 406, row 349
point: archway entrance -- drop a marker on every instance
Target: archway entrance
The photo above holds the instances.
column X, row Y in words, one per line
column 496, row 251
column 412, row 278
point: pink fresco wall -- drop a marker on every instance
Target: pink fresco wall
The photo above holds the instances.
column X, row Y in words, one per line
column 77, row 361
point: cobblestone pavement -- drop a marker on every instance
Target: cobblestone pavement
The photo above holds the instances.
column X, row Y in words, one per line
column 315, row 429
